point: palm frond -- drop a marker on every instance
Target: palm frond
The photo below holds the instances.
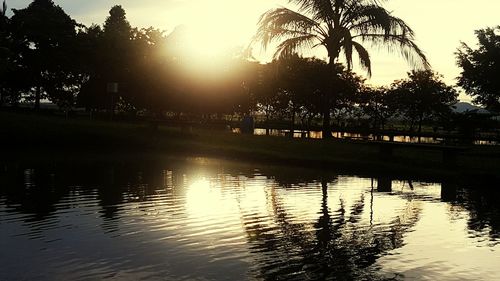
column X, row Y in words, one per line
column 336, row 24
column 290, row 46
column 375, row 19
column 347, row 47
column 364, row 57
column 277, row 24
column 321, row 10
column 375, row 24
column 276, row 34
column 398, row 42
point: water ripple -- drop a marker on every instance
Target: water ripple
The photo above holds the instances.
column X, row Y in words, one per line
column 212, row 224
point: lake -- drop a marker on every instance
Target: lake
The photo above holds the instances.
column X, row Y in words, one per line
column 207, row 219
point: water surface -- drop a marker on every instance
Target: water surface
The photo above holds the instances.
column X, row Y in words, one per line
column 204, row 219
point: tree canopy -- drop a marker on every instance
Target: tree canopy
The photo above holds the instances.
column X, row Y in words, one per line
column 44, row 36
column 341, row 27
column 481, row 68
column 116, row 24
column 423, row 95
column 50, row 56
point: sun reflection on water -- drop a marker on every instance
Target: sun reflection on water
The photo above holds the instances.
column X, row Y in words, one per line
column 214, row 221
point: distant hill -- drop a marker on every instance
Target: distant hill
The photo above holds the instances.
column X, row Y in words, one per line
column 461, row 107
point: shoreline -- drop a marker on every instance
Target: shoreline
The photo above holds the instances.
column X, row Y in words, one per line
column 26, row 136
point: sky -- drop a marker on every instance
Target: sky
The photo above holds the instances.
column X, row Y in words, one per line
column 440, row 26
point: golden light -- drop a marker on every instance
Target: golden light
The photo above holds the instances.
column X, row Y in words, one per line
column 208, row 200
column 204, row 200
column 210, row 30
column 205, row 42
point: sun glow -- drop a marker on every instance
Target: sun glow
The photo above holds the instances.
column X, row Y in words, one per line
column 203, row 48
column 214, row 29
column 206, row 42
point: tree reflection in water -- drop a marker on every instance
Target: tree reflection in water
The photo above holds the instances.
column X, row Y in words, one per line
column 341, row 241
column 338, row 246
column 481, row 204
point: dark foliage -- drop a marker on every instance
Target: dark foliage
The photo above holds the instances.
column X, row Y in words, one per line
column 423, row 96
column 44, row 36
column 119, row 69
column 481, row 68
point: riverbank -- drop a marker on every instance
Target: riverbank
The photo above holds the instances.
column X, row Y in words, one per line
column 30, row 135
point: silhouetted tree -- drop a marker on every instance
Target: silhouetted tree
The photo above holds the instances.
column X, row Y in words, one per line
column 469, row 123
column 110, row 56
column 44, row 36
column 5, row 52
column 3, row 17
column 266, row 90
column 317, row 85
column 117, row 29
column 222, row 84
column 92, row 55
column 339, row 26
column 379, row 104
column 294, row 86
column 423, row 95
column 243, row 90
column 481, row 68
column 134, row 58
column 347, row 86
column 147, row 88
column 338, row 246
column 117, row 35
column 305, row 83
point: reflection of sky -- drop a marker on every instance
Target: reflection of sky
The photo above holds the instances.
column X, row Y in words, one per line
column 437, row 247
column 440, row 248
column 201, row 224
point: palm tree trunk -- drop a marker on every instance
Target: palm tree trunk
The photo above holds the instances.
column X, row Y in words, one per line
column 324, row 231
column 327, row 130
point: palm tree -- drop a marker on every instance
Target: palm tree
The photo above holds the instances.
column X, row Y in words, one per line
column 340, row 26
column 338, row 245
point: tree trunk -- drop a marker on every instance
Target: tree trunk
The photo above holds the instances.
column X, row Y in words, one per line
column 292, row 123
column 37, row 98
column 327, row 132
column 112, row 106
column 267, row 121
column 1, row 97
column 324, row 232
column 420, row 127
column 309, row 120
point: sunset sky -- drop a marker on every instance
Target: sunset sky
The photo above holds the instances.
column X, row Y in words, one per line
column 220, row 24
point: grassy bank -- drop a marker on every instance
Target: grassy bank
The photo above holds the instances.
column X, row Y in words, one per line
column 23, row 135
